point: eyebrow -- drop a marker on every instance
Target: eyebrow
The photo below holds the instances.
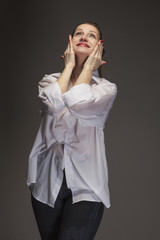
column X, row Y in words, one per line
column 82, row 30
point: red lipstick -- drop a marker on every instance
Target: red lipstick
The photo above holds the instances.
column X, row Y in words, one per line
column 83, row 45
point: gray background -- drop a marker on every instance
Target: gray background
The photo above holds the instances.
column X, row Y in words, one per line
column 34, row 34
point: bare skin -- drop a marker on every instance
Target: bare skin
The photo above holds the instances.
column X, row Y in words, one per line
column 82, row 56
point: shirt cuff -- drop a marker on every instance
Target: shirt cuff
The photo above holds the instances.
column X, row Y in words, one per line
column 78, row 93
column 53, row 93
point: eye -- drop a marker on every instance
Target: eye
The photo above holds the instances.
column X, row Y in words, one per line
column 78, row 33
column 92, row 35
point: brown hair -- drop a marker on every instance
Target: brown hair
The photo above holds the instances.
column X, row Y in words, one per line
column 100, row 37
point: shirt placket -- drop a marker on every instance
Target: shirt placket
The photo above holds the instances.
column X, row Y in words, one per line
column 69, row 138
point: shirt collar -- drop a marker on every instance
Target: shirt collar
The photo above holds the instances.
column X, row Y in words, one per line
column 95, row 76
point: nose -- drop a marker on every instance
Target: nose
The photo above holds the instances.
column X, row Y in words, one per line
column 83, row 39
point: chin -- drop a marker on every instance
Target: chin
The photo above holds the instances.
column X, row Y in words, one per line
column 82, row 53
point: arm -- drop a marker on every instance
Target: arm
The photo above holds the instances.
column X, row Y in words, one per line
column 69, row 58
column 91, row 104
column 50, row 94
column 51, row 87
column 92, row 63
column 63, row 80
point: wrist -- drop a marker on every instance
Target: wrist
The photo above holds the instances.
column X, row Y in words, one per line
column 88, row 69
column 69, row 67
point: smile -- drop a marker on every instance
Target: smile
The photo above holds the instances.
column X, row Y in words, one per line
column 83, row 45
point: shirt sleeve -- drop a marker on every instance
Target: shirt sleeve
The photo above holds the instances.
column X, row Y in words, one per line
column 50, row 93
column 91, row 104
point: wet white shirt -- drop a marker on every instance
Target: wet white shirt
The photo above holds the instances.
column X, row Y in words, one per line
column 71, row 137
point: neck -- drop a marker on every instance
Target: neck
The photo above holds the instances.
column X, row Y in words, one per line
column 78, row 68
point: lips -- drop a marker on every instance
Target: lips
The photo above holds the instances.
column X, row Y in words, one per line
column 83, row 45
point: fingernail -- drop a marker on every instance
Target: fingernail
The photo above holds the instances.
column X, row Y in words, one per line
column 101, row 41
column 103, row 44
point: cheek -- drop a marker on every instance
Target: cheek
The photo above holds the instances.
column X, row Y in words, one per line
column 73, row 44
column 95, row 44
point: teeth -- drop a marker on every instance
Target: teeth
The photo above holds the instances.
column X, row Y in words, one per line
column 83, row 44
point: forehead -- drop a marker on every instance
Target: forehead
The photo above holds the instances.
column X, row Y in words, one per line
column 87, row 27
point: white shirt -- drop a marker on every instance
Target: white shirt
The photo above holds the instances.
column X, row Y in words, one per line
column 71, row 136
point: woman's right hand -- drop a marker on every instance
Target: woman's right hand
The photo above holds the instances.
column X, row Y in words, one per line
column 69, row 55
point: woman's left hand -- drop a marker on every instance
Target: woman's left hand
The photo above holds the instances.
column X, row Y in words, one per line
column 94, row 60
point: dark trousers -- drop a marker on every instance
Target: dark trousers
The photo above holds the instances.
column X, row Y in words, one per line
column 67, row 221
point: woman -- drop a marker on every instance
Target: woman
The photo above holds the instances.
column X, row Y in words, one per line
column 68, row 173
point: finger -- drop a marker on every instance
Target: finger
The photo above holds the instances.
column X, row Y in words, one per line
column 102, row 46
column 71, row 43
column 68, row 45
column 100, row 49
column 104, row 62
column 95, row 49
